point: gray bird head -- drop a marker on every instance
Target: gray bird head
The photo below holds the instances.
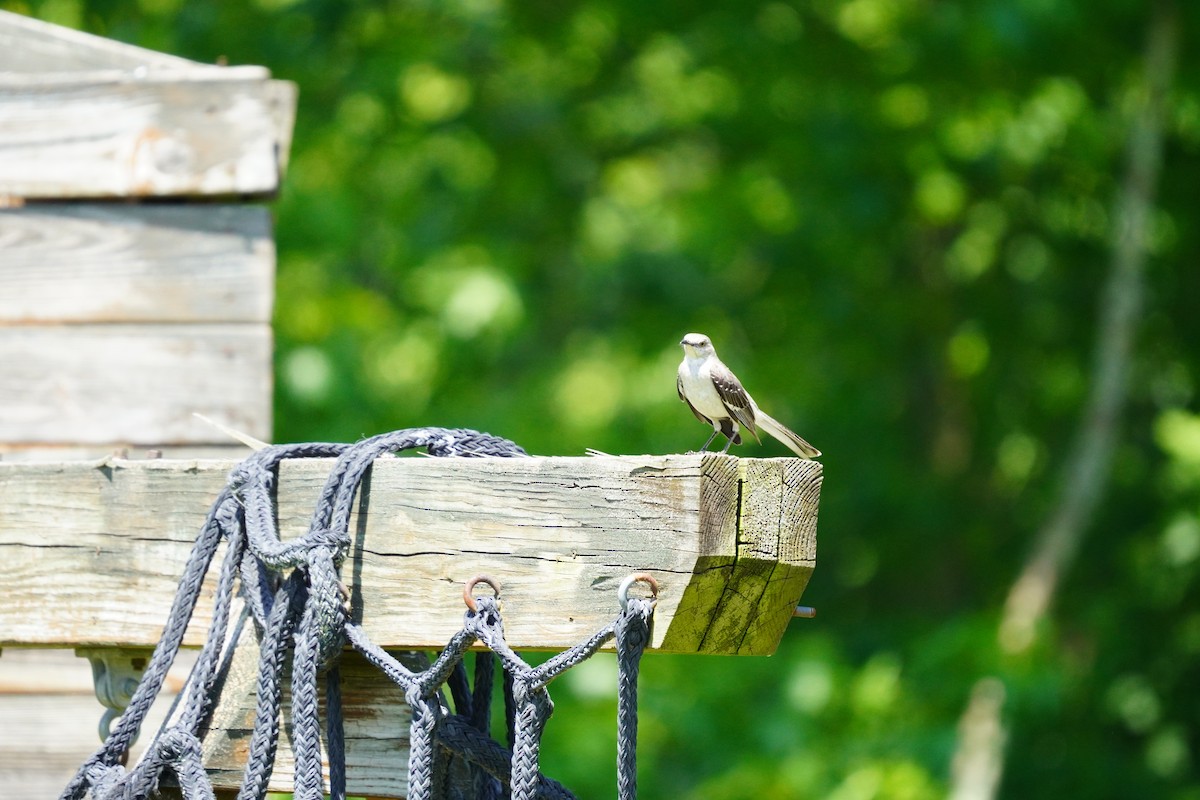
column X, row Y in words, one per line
column 696, row 345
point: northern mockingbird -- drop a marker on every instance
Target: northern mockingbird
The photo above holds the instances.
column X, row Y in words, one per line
column 716, row 397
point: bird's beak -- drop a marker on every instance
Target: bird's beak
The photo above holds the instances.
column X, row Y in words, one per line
column 683, row 341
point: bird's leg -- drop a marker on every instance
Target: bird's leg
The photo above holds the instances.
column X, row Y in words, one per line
column 706, row 444
column 728, row 443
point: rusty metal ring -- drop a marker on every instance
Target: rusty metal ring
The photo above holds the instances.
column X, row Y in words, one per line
column 469, row 598
column 637, row 577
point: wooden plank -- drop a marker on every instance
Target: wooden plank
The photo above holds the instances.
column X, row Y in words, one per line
column 39, row 672
column 49, row 671
column 45, row 738
column 93, row 551
column 134, row 383
column 210, row 131
column 31, row 46
column 136, row 263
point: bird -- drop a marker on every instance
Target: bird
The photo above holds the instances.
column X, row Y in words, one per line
column 717, row 398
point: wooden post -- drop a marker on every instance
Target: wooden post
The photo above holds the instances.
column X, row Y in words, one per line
column 119, row 319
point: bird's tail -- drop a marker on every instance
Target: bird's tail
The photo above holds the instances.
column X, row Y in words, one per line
column 783, row 434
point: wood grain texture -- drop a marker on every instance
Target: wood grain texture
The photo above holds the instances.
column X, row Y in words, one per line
column 25, row 454
column 136, row 263
column 99, row 384
column 782, row 544
column 94, row 550
column 763, row 513
column 45, row 738
column 50, row 715
column 208, row 131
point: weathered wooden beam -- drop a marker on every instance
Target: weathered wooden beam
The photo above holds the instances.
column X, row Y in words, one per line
column 32, row 46
column 88, row 383
column 81, row 263
column 205, row 131
column 92, row 552
column 29, row 453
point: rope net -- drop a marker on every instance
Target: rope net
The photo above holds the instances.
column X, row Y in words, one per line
column 301, row 612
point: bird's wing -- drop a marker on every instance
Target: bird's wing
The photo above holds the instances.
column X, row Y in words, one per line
column 683, row 397
column 734, row 396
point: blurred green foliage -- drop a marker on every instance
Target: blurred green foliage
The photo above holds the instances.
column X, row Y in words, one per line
column 893, row 218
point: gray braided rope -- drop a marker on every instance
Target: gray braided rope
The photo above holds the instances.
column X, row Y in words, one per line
column 306, row 615
column 264, row 738
column 633, row 634
column 335, row 734
column 308, row 780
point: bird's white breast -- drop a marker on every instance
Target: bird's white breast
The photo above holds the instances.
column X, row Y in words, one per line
column 698, row 386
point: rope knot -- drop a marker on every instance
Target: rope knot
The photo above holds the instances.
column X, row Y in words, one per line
column 335, row 541
column 175, row 744
column 634, row 623
column 250, row 472
column 105, row 780
column 485, row 621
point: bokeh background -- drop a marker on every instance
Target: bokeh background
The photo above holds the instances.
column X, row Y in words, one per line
column 895, row 218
